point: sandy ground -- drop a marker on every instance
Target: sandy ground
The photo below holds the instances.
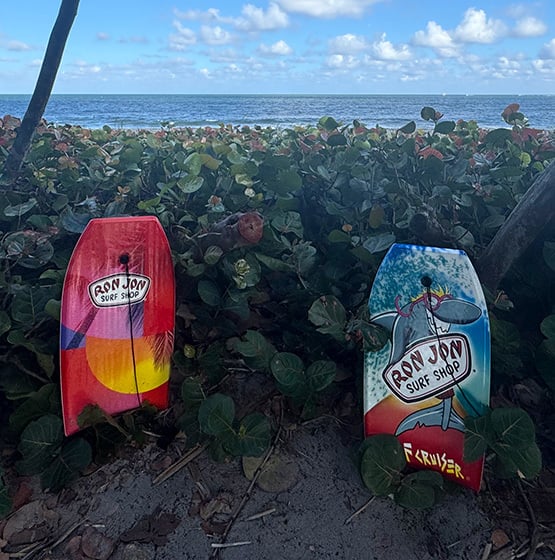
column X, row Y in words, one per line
column 303, row 511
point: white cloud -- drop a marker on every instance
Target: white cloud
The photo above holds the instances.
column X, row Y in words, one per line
column 215, row 35
column 212, row 15
column 205, row 73
column 517, row 11
column 384, row 50
column 342, row 62
column 437, row 38
column 18, row 46
column 529, row 27
column 477, row 28
column 256, row 19
column 101, row 36
column 328, row 8
column 347, row 44
column 280, row 48
column 184, row 37
column 506, row 68
column 252, row 18
column 546, row 68
column 548, row 51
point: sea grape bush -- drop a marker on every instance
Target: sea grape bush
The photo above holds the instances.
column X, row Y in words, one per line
column 327, row 200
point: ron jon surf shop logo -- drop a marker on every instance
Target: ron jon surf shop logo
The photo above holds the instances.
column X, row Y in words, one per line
column 429, row 368
column 119, row 289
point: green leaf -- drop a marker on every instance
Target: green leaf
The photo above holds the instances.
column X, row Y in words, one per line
column 445, row 127
column 216, row 415
column 288, row 369
column 274, row 264
column 419, row 490
column 28, row 305
column 379, row 242
column 545, row 362
column 524, row 463
column 477, row 435
column 338, row 236
column 505, row 336
column 304, row 256
column 192, row 392
column 328, row 123
column 5, row 322
column 382, row 463
column 29, row 248
column 494, row 221
column 320, row 374
column 211, row 362
column 549, row 254
column 498, row 137
column 329, row 315
column 39, row 443
column 254, row 345
column 5, row 500
column 376, row 216
column 513, row 427
column 336, row 139
column 209, row 292
column 286, row 182
column 374, row 337
column 428, row 113
column 75, row 456
column 547, row 326
column 252, row 438
column 53, row 308
column 288, row 222
column 409, row 128
column 237, row 305
column 20, row 209
column 193, row 163
column 212, row 255
column 190, row 184
column 44, row 401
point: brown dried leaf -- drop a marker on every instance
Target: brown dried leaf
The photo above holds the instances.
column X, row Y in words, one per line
column 96, row 545
column 499, row 539
column 279, row 474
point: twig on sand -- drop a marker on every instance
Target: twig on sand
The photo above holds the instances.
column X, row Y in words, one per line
column 248, row 493
column 487, row 551
column 359, row 510
column 229, row 545
column 179, row 464
column 261, row 514
column 534, row 535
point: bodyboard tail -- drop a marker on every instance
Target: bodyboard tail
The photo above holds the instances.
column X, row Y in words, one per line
column 117, row 318
column 435, row 370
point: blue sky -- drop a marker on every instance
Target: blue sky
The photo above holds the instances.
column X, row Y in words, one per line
column 286, row 46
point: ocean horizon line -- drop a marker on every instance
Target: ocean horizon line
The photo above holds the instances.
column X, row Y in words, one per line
column 439, row 94
column 150, row 110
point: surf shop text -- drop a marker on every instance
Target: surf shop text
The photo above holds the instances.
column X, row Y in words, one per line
column 429, row 368
column 119, row 289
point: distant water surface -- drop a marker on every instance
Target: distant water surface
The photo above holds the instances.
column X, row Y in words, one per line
column 389, row 111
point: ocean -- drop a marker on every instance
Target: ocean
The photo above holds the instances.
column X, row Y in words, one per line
column 280, row 111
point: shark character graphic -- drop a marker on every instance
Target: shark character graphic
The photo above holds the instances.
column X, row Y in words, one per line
column 428, row 317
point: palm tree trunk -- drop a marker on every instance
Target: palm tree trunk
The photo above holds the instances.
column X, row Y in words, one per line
column 43, row 87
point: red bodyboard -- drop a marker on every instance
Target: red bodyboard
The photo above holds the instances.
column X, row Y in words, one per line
column 117, row 318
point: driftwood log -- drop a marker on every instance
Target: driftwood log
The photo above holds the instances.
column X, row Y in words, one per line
column 529, row 217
